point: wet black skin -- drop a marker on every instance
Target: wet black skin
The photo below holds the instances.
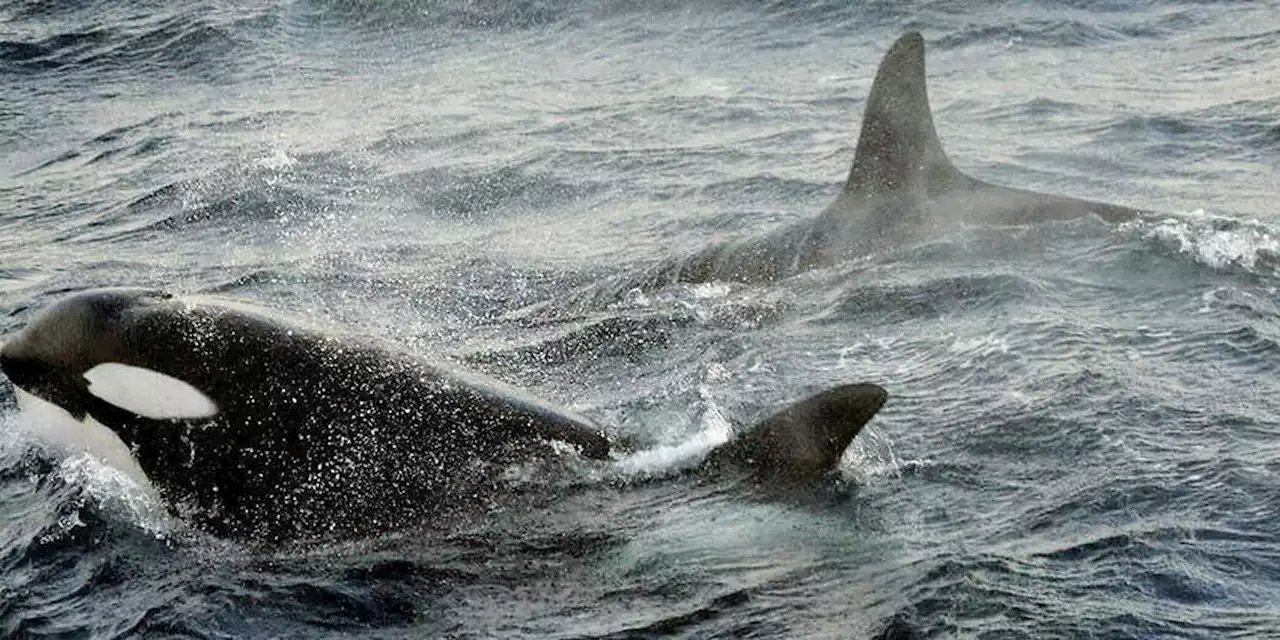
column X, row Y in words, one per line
column 320, row 437
column 314, row 434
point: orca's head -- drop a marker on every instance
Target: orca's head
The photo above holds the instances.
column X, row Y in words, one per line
column 83, row 351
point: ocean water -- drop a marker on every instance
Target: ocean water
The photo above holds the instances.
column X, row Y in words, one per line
column 1083, row 437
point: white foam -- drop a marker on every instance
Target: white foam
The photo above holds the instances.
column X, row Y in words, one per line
column 716, row 430
column 1215, row 241
column 118, row 490
column 148, row 393
column 710, row 290
column 277, row 160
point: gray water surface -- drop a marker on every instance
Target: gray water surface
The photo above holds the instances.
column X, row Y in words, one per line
column 1082, row 434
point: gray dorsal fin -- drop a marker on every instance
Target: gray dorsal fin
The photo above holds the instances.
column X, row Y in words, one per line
column 898, row 148
column 804, row 441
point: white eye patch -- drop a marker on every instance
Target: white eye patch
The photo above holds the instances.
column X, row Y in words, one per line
column 148, row 393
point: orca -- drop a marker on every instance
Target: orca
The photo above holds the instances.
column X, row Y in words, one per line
column 263, row 429
column 900, row 189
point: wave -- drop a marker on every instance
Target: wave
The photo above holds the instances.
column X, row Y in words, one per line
column 763, row 187
column 1038, row 33
column 1243, row 129
column 499, row 15
column 442, row 14
column 893, row 304
column 1224, row 244
column 175, row 43
column 139, row 140
column 255, row 197
column 64, row 518
column 1101, row 581
column 1243, row 347
column 470, row 196
column 610, row 337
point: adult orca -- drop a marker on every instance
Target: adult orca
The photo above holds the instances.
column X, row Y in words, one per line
column 265, row 430
column 901, row 188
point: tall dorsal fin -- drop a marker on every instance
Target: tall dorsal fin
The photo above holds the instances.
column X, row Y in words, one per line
column 898, row 148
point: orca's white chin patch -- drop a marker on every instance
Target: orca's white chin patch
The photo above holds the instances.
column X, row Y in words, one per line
column 148, row 393
column 59, row 429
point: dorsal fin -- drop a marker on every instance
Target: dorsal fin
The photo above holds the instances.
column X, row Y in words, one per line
column 804, row 441
column 898, row 148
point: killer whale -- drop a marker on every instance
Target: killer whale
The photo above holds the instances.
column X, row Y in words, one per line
column 900, row 188
column 265, row 430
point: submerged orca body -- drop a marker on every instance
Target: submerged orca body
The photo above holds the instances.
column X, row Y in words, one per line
column 273, row 432
column 901, row 188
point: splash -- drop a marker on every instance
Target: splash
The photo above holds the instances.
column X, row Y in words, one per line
column 663, row 459
column 115, row 491
column 872, row 455
column 1216, row 241
column 91, row 458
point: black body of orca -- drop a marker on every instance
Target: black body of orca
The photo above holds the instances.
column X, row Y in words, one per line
column 269, row 431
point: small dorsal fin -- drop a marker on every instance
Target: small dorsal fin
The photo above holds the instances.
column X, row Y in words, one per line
column 898, row 148
column 804, row 441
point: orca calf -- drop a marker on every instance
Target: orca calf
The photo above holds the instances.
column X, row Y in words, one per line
column 901, row 188
column 263, row 430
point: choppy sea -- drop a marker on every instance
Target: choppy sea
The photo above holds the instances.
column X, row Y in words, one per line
column 1083, row 438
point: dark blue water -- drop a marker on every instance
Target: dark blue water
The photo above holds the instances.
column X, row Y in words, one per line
column 1083, row 438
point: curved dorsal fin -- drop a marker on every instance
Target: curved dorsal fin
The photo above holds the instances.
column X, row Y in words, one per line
column 898, row 148
column 804, row 441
